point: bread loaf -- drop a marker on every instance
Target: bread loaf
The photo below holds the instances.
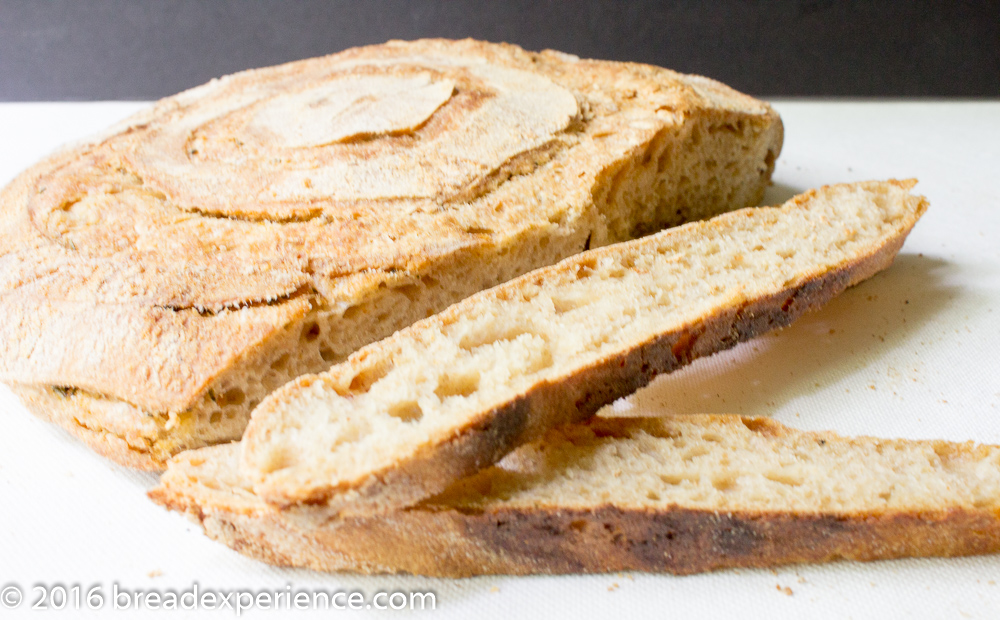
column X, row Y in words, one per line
column 159, row 280
column 403, row 418
column 679, row 494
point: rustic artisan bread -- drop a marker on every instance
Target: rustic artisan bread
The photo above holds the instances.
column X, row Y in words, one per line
column 403, row 418
column 157, row 281
column 680, row 494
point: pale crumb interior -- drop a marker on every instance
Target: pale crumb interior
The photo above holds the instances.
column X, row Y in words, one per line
column 675, row 182
column 687, row 462
column 728, row 463
column 415, row 389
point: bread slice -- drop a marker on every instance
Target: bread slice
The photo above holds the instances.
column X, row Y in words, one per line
column 403, row 418
column 679, row 494
column 157, row 281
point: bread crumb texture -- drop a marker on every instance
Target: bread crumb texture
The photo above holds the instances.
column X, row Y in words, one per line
column 404, row 417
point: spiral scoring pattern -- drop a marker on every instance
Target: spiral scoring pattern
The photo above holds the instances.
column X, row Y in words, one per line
column 359, row 131
column 363, row 143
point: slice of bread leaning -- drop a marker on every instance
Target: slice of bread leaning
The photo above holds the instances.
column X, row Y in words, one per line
column 159, row 280
column 680, row 494
column 403, row 418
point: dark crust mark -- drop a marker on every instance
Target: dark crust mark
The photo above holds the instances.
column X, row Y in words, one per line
column 304, row 290
column 682, row 541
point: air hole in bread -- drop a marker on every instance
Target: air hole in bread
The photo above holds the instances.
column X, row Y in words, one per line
column 232, row 396
column 724, row 482
column 672, row 479
column 563, row 305
column 354, row 312
column 696, row 134
column 281, row 363
column 409, row 411
column 277, row 459
column 653, row 495
column 664, row 159
column 410, row 291
column 311, row 331
column 364, row 380
column 327, row 354
column 784, row 477
column 491, row 334
column 585, row 270
column 456, row 385
column 647, row 156
column 735, row 128
column 540, row 360
column 694, row 452
column 786, row 252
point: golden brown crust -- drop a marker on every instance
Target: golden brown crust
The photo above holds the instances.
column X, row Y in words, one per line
column 53, row 405
column 144, row 265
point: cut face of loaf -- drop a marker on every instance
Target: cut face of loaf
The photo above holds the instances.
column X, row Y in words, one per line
column 679, row 494
column 159, row 280
column 402, row 419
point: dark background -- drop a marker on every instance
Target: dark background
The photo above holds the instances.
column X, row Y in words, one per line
column 122, row 49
